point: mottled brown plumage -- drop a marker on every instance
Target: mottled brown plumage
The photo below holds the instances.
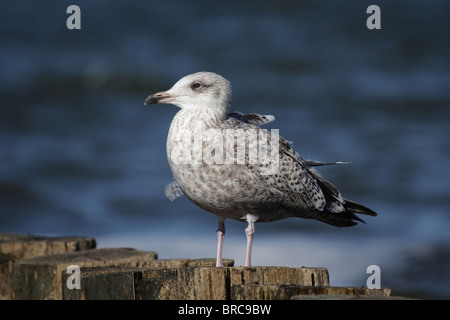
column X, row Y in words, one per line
column 229, row 166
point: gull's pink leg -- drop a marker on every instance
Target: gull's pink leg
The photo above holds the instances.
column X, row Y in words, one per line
column 249, row 232
column 220, row 236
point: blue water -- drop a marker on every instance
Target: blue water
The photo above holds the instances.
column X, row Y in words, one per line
column 81, row 155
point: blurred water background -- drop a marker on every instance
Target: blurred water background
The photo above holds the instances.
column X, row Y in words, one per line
column 81, row 155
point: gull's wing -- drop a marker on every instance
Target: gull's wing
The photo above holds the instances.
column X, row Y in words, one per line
column 310, row 190
column 308, row 193
column 173, row 191
column 293, row 177
column 252, row 118
column 313, row 163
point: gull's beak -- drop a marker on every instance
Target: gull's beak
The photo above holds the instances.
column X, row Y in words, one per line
column 159, row 97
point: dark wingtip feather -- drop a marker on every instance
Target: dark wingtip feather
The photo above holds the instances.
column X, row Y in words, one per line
column 358, row 208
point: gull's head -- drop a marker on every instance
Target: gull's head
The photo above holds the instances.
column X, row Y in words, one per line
column 204, row 90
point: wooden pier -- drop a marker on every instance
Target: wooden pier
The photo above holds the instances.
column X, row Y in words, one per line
column 38, row 268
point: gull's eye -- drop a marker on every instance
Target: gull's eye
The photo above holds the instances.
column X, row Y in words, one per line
column 196, row 85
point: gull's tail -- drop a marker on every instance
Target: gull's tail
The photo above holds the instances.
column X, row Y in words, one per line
column 358, row 208
column 346, row 218
column 338, row 211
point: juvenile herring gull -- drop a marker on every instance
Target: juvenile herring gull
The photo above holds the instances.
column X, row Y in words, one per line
column 227, row 165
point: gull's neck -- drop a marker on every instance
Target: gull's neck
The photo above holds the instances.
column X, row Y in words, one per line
column 209, row 116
